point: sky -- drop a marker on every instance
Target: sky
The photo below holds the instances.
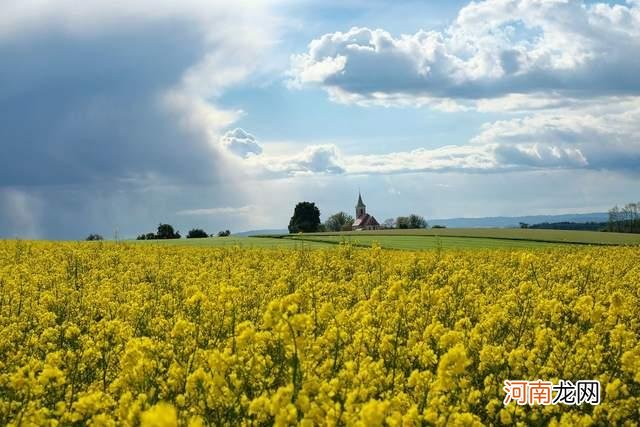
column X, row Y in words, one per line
column 116, row 116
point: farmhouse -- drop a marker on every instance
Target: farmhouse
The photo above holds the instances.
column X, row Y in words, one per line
column 364, row 221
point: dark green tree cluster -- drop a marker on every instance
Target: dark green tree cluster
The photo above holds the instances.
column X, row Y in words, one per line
column 411, row 221
column 165, row 231
column 306, row 218
column 92, row 237
column 197, row 233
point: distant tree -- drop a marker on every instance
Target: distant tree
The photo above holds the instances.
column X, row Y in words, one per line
column 438, row 226
column 225, row 233
column 402, row 222
column 567, row 225
column 417, row 221
column 338, row 221
column 147, row 236
column 524, row 225
column 625, row 219
column 165, row 231
column 306, row 218
column 94, row 237
column 197, row 233
column 389, row 223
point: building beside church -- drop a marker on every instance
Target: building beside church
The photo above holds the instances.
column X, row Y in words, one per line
column 364, row 221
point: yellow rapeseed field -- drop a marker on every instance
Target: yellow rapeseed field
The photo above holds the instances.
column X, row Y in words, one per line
column 117, row 334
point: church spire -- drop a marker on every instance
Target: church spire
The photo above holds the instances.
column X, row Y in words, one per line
column 361, row 209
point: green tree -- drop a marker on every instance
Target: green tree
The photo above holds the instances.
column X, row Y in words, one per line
column 338, row 221
column 417, row 221
column 389, row 223
column 402, row 222
column 306, row 218
column 165, row 231
column 197, row 233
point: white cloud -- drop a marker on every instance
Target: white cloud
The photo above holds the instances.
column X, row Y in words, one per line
column 600, row 137
column 566, row 64
column 240, row 143
column 327, row 159
column 494, row 48
column 597, row 136
column 313, row 159
column 540, row 155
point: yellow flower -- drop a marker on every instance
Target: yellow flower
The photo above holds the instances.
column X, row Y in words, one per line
column 97, row 335
column 159, row 415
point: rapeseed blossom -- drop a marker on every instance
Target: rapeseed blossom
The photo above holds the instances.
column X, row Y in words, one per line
column 118, row 334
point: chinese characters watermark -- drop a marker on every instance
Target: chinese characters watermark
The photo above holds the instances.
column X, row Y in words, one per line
column 546, row 393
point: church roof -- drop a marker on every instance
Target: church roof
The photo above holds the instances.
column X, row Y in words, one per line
column 360, row 203
column 364, row 221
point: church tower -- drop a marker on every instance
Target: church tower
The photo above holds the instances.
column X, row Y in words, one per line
column 361, row 209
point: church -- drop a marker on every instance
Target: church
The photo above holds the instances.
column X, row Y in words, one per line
column 364, row 221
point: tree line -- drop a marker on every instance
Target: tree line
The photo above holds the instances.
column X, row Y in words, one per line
column 625, row 219
column 567, row 225
column 166, row 231
column 306, row 218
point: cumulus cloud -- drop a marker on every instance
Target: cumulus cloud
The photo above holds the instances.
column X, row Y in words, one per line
column 328, row 159
column 494, row 48
column 565, row 64
column 600, row 137
column 240, row 143
column 314, row 159
column 596, row 137
column 540, row 155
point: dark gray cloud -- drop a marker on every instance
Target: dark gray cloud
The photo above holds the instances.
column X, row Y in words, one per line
column 106, row 126
column 87, row 110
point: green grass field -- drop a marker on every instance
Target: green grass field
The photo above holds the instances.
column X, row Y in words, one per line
column 423, row 242
column 530, row 235
column 454, row 238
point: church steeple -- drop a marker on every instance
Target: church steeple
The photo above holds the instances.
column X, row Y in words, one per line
column 361, row 208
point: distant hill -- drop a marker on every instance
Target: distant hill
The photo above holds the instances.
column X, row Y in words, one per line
column 262, row 232
column 484, row 222
column 509, row 222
